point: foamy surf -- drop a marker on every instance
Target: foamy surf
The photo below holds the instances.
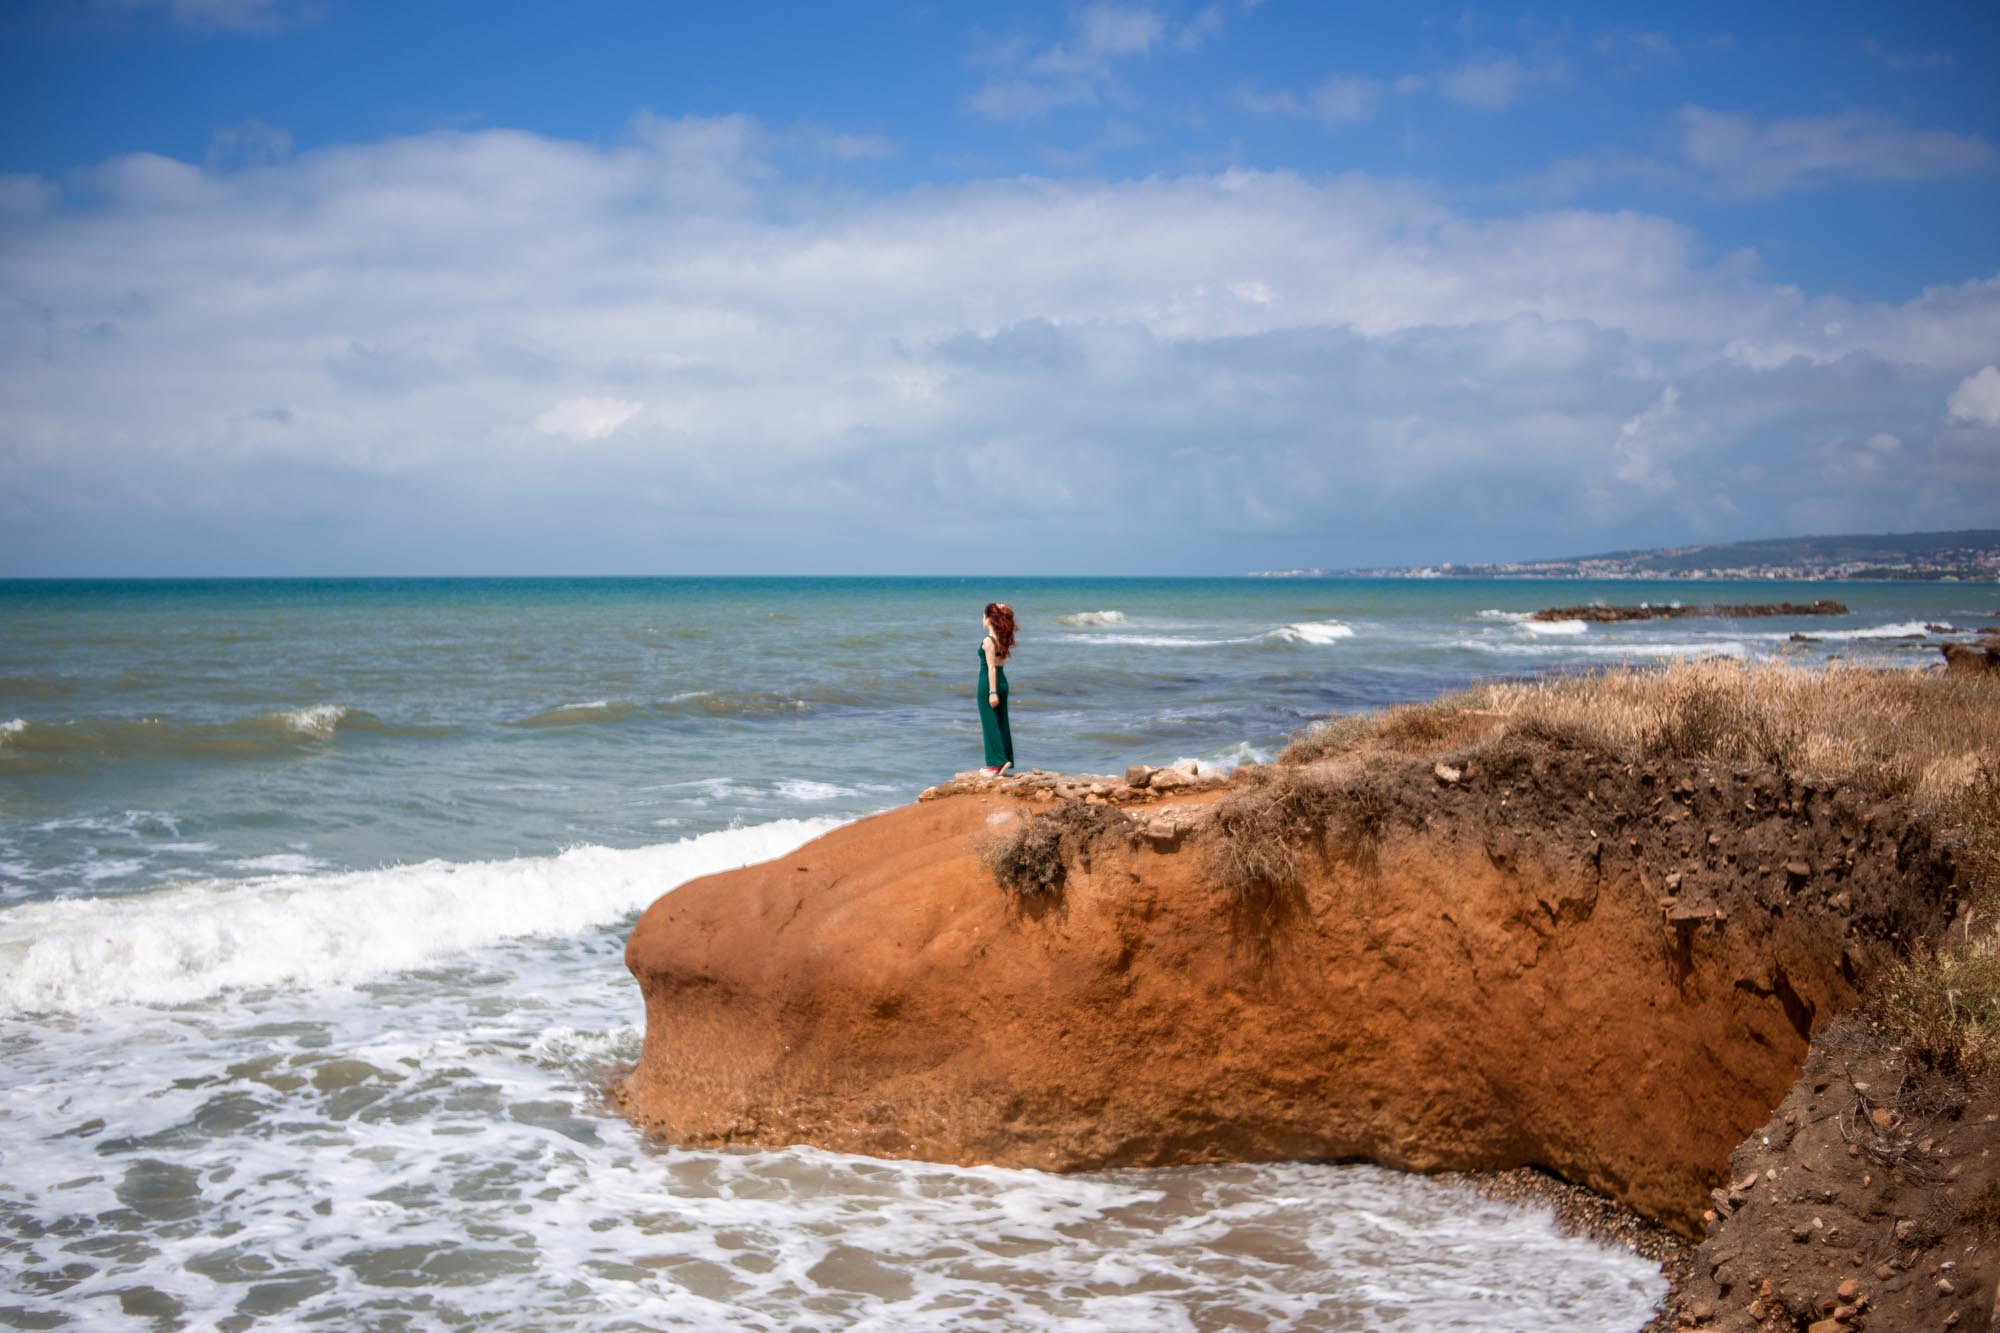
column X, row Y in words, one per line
column 184, row 943
column 1555, row 626
column 1313, row 632
column 1088, row 618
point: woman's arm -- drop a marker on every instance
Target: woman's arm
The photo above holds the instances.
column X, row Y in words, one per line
column 987, row 646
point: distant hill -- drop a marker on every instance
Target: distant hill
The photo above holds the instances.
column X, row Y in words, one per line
column 1971, row 554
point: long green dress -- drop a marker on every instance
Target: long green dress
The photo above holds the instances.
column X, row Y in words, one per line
column 993, row 721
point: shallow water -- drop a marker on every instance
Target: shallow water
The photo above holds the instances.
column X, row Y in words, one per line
column 313, row 896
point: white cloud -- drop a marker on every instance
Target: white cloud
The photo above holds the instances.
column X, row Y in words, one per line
column 1978, row 398
column 1492, row 82
column 1744, row 155
column 1076, row 72
column 1340, row 99
column 382, row 338
column 587, row 418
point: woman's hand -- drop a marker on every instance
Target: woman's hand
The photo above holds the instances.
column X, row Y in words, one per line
column 994, row 698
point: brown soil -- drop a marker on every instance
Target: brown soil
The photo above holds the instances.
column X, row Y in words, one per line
column 1617, row 614
column 1857, row 1202
column 1550, row 957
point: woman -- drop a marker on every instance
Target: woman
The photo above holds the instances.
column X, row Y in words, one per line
column 993, row 650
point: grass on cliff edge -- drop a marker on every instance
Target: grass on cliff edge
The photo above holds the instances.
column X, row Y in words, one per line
column 1931, row 737
column 1924, row 734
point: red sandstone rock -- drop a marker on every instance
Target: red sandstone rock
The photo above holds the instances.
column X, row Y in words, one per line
column 1486, row 986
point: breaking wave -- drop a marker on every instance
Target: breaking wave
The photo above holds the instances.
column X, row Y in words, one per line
column 1313, row 631
column 190, row 941
column 34, row 743
column 1092, row 618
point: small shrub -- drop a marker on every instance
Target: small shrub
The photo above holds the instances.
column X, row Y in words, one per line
column 1945, row 1005
column 1031, row 860
column 1327, row 738
column 1444, row 724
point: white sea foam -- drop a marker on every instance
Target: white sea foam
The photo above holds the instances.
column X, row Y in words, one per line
column 1494, row 614
column 1313, row 631
column 1160, row 640
column 806, row 789
column 180, row 944
column 1092, row 618
column 1555, row 626
column 1905, row 629
column 12, row 726
column 279, row 863
column 319, row 721
column 1609, row 651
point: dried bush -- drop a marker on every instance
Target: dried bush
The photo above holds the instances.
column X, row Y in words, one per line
column 1443, row 724
column 1259, row 840
column 1944, row 1005
column 1327, row 738
column 1031, row 859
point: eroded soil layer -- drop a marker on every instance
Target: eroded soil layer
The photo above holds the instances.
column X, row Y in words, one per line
column 1541, row 957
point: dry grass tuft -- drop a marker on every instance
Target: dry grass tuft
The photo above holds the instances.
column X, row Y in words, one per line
column 1327, row 739
column 1443, row 724
column 1259, row 839
column 1031, row 859
column 1945, row 1006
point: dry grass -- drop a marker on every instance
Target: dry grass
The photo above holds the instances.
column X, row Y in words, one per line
column 1259, row 840
column 1945, row 1006
column 1923, row 733
column 1031, row 859
column 1328, row 738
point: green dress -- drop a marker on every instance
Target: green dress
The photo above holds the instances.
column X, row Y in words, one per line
column 993, row 721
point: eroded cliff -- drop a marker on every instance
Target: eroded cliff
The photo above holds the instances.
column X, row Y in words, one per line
column 1543, row 955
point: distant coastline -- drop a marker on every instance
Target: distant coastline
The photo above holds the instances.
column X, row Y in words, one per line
column 1967, row 556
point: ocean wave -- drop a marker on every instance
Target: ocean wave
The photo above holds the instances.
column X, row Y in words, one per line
column 181, row 944
column 25, row 741
column 1554, row 626
column 1092, row 618
column 1609, row 651
column 1492, row 613
column 1313, row 631
column 711, row 703
column 1157, row 640
column 1905, row 629
column 570, row 715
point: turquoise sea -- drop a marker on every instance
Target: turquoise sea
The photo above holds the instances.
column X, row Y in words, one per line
column 313, row 892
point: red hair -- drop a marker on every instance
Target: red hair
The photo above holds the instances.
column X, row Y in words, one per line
column 1001, row 616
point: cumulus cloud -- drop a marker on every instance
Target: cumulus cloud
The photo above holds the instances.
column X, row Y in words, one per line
column 362, row 354
column 1745, row 155
column 1978, row 398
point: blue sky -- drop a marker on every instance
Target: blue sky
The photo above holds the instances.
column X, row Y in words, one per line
column 347, row 287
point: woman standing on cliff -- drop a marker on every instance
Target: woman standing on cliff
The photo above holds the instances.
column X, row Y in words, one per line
column 993, row 651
